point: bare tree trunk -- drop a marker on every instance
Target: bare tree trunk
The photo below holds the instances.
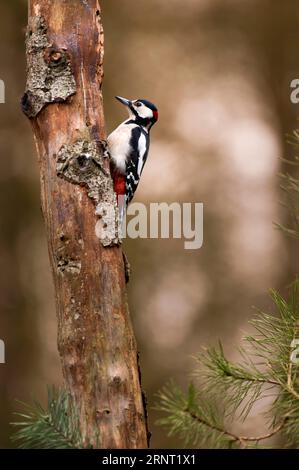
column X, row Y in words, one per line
column 95, row 338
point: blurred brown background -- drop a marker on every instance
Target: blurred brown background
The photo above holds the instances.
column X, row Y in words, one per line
column 219, row 72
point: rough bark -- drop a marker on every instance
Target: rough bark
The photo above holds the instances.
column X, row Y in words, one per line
column 63, row 100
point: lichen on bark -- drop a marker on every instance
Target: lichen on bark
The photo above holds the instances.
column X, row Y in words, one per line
column 49, row 73
column 68, row 265
column 82, row 163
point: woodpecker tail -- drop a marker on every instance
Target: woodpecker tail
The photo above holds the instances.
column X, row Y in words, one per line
column 119, row 186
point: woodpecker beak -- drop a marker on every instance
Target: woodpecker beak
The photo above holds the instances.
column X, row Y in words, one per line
column 124, row 101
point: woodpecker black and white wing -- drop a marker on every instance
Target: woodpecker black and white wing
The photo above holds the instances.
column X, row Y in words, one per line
column 139, row 147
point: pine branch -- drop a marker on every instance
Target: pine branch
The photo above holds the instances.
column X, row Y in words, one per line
column 54, row 428
column 189, row 416
column 235, row 388
column 241, row 439
column 240, row 384
column 195, row 420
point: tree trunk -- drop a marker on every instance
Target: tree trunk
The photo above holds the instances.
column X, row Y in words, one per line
column 63, row 100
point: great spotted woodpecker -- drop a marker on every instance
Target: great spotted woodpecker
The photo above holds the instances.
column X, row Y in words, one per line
column 128, row 146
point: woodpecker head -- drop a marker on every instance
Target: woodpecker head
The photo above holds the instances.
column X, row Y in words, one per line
column 143, row 112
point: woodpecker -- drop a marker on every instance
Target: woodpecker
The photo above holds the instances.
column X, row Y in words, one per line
column 128, row 146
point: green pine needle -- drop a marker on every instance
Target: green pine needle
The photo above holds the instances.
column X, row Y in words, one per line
column 54, row 428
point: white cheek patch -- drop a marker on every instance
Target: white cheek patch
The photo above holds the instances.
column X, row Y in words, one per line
column 144, row 112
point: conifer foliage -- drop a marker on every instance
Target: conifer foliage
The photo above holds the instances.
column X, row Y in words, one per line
column 53, row 428
column 202, row 416
column 227, row 391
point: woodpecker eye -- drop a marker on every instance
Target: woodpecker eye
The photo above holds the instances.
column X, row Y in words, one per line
column 138, row 104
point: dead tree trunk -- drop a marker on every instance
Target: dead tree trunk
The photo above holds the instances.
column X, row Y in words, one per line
column 63, row 100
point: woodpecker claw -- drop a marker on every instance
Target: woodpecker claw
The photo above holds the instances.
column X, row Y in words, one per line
column 105, row 148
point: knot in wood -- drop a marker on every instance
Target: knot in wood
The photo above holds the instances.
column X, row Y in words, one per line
column 81, row 163
column 56, row 59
